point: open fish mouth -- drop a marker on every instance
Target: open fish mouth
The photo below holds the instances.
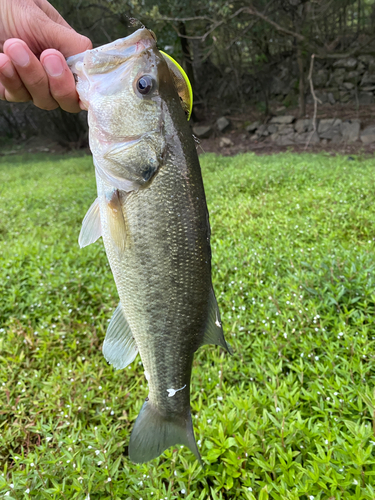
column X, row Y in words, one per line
column 108, row 57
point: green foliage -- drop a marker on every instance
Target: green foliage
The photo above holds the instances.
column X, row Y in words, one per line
column 291, row 415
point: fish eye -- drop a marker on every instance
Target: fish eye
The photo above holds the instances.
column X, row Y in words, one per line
column 145, row 84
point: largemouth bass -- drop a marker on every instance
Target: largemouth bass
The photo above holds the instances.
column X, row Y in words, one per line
column 151, row 212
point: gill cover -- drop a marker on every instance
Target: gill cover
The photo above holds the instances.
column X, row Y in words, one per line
column 182, row 83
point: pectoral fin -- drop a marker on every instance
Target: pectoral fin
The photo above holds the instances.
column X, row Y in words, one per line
column 214, row 332
column 116, row 220
column 119, row 347
column 91, row 226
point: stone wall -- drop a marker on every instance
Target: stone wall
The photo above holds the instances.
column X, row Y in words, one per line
column 287, row 131
column 335, row 81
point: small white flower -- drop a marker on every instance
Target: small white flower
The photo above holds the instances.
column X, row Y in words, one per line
column 11, row 485
column 109, row 479
column 97, row 452
column 278, row 409
column 355, row 481
column 183, row 491
column 311, row 497
column 250, row 488
column 28, row 490
column 32, row 464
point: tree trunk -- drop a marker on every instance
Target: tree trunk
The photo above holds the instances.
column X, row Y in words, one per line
column 188, row 63
column 302, row 101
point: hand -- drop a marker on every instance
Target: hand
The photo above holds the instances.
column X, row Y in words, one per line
column 28, row 30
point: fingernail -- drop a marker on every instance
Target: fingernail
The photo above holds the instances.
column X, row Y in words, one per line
column 53, row 65
column 18, row 54
column 7, row 70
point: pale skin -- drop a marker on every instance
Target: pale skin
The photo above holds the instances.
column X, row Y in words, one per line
column 34, row 42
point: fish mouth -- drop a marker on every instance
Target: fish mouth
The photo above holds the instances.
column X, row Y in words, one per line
column 107, row 57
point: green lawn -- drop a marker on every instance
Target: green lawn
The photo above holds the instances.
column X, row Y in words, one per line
column 291, row 415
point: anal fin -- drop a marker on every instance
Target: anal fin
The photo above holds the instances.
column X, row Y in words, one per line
column 153, row 433
column 214, row 331
column 119, row 347
column 91, row 226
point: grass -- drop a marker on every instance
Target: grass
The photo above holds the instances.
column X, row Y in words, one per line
column 291, row 415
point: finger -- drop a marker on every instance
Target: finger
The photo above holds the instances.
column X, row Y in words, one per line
column 52, row 13
column 14, row 89
column 61, row 80
column 31, row 72
column 2, row 92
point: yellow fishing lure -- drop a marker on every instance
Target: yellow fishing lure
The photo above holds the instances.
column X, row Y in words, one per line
column 182, row 83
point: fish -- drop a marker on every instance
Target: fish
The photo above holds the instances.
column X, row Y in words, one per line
column 152, row 214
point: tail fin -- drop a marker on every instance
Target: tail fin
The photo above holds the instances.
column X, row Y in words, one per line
column 154, row 433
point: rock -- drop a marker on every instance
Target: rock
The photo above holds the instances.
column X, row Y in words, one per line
column 282, row 120
column 368, row 79
column 285, row 140
column 336, row 139
column 353, row 77
column 262, row 131
column 349, row 63
column 320, row 78
column 348, row 85
column 225, row 142
column 366, row 59
column 365, row 98
column 331, row 98
column 252, row 127
column 274, row 137
column 202, row 131
column 278, row 87
column 307, row 137
column 303, row 125
column 345, row 96
column 322, row 96
column 338, row 76
column 361, row 67
column 286, row 129
column 272, row 128
column 350, row 130
column 222, row 124
column 368, row 135
column 254, row 137
column 329, row 127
